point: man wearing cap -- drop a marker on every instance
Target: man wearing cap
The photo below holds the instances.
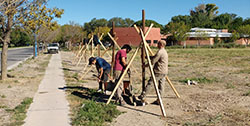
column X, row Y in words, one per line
column 160, row 67
column 103, row 68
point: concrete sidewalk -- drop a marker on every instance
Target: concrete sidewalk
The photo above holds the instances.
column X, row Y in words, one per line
column 50, row 107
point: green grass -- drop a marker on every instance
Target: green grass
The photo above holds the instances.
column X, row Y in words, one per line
column 95, row 114
column 212, row 121
column 203, row 80
column 19, row 112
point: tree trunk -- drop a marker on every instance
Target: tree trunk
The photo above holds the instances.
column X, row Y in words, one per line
column 4, row 61
column 6, row 41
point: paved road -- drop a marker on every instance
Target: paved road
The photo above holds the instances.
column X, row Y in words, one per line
column 17, row 55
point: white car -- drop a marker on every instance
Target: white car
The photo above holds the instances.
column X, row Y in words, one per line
column 53, row 48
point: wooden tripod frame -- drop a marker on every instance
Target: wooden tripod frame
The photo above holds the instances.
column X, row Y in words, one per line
column 142, row 45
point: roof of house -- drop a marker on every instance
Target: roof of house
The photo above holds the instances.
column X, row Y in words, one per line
column 207, row 32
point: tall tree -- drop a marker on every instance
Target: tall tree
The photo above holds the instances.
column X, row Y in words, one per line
column 38, row 15
column 203, row 14
column 9, row 14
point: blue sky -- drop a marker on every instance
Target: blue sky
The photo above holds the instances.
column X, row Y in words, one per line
column 81, row 11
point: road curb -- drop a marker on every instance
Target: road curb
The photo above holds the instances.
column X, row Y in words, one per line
column 17, row 63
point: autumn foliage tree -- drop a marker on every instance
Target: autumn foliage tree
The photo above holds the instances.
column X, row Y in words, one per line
column 9, row 15
column 36, row 16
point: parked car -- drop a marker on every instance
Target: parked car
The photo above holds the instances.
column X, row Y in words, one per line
column 53, row 48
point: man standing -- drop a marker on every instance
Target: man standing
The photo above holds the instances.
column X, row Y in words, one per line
column 160, row 63
column 119, row 67
column 103, row 68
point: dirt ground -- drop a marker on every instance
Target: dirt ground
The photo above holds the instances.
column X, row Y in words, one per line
column 22, row 83
column 221, row 97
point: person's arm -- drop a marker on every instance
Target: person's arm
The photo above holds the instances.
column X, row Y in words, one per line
column 101, row 72
column 155, row 58
column 124, row 61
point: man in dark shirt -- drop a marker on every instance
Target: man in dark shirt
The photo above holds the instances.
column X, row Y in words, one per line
column 103, row 68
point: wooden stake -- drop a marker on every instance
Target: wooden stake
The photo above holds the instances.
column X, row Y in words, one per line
column 113, row 50
column 153, row 75
column 172, row 86
column 123, row 74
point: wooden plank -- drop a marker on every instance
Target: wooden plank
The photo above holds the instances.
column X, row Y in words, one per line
column 123, row 74
column 153, row 75
column 114, row 41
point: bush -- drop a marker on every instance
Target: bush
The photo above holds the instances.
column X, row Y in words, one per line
column 95, row 114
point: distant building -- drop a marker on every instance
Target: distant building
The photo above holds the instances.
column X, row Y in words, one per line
column 128, row 35
column 206, row 36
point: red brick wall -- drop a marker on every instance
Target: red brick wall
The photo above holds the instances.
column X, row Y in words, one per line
column 130, row 36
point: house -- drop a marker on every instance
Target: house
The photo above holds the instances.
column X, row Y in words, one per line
column 128, row 35
column 207, row 36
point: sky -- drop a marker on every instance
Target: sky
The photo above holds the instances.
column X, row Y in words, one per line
column 161, row 11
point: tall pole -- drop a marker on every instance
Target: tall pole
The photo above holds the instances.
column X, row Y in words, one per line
column 35, row 46
column 113, row 50
column 143, row 53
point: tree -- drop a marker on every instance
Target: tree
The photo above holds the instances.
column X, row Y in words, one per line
column 246, row 21
column 9, row 14
column 89, row 27
column 244, row 32
column 223, row 21
column 38, row 15
column 186, row 19
column 148, row 23
column 236, row 23
column 119, row 22
column 178, row 31
column 202, row 15
column 71, row 33
column 19, row 38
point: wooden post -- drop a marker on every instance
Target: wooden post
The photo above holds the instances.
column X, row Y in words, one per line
column 98, row 50
column 105, row 49
column 113, row 50
column 123, row 74
column 153, row 75
column 143, row 54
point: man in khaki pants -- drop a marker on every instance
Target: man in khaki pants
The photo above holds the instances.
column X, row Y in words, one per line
column 160, row 63
column 119, row 67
